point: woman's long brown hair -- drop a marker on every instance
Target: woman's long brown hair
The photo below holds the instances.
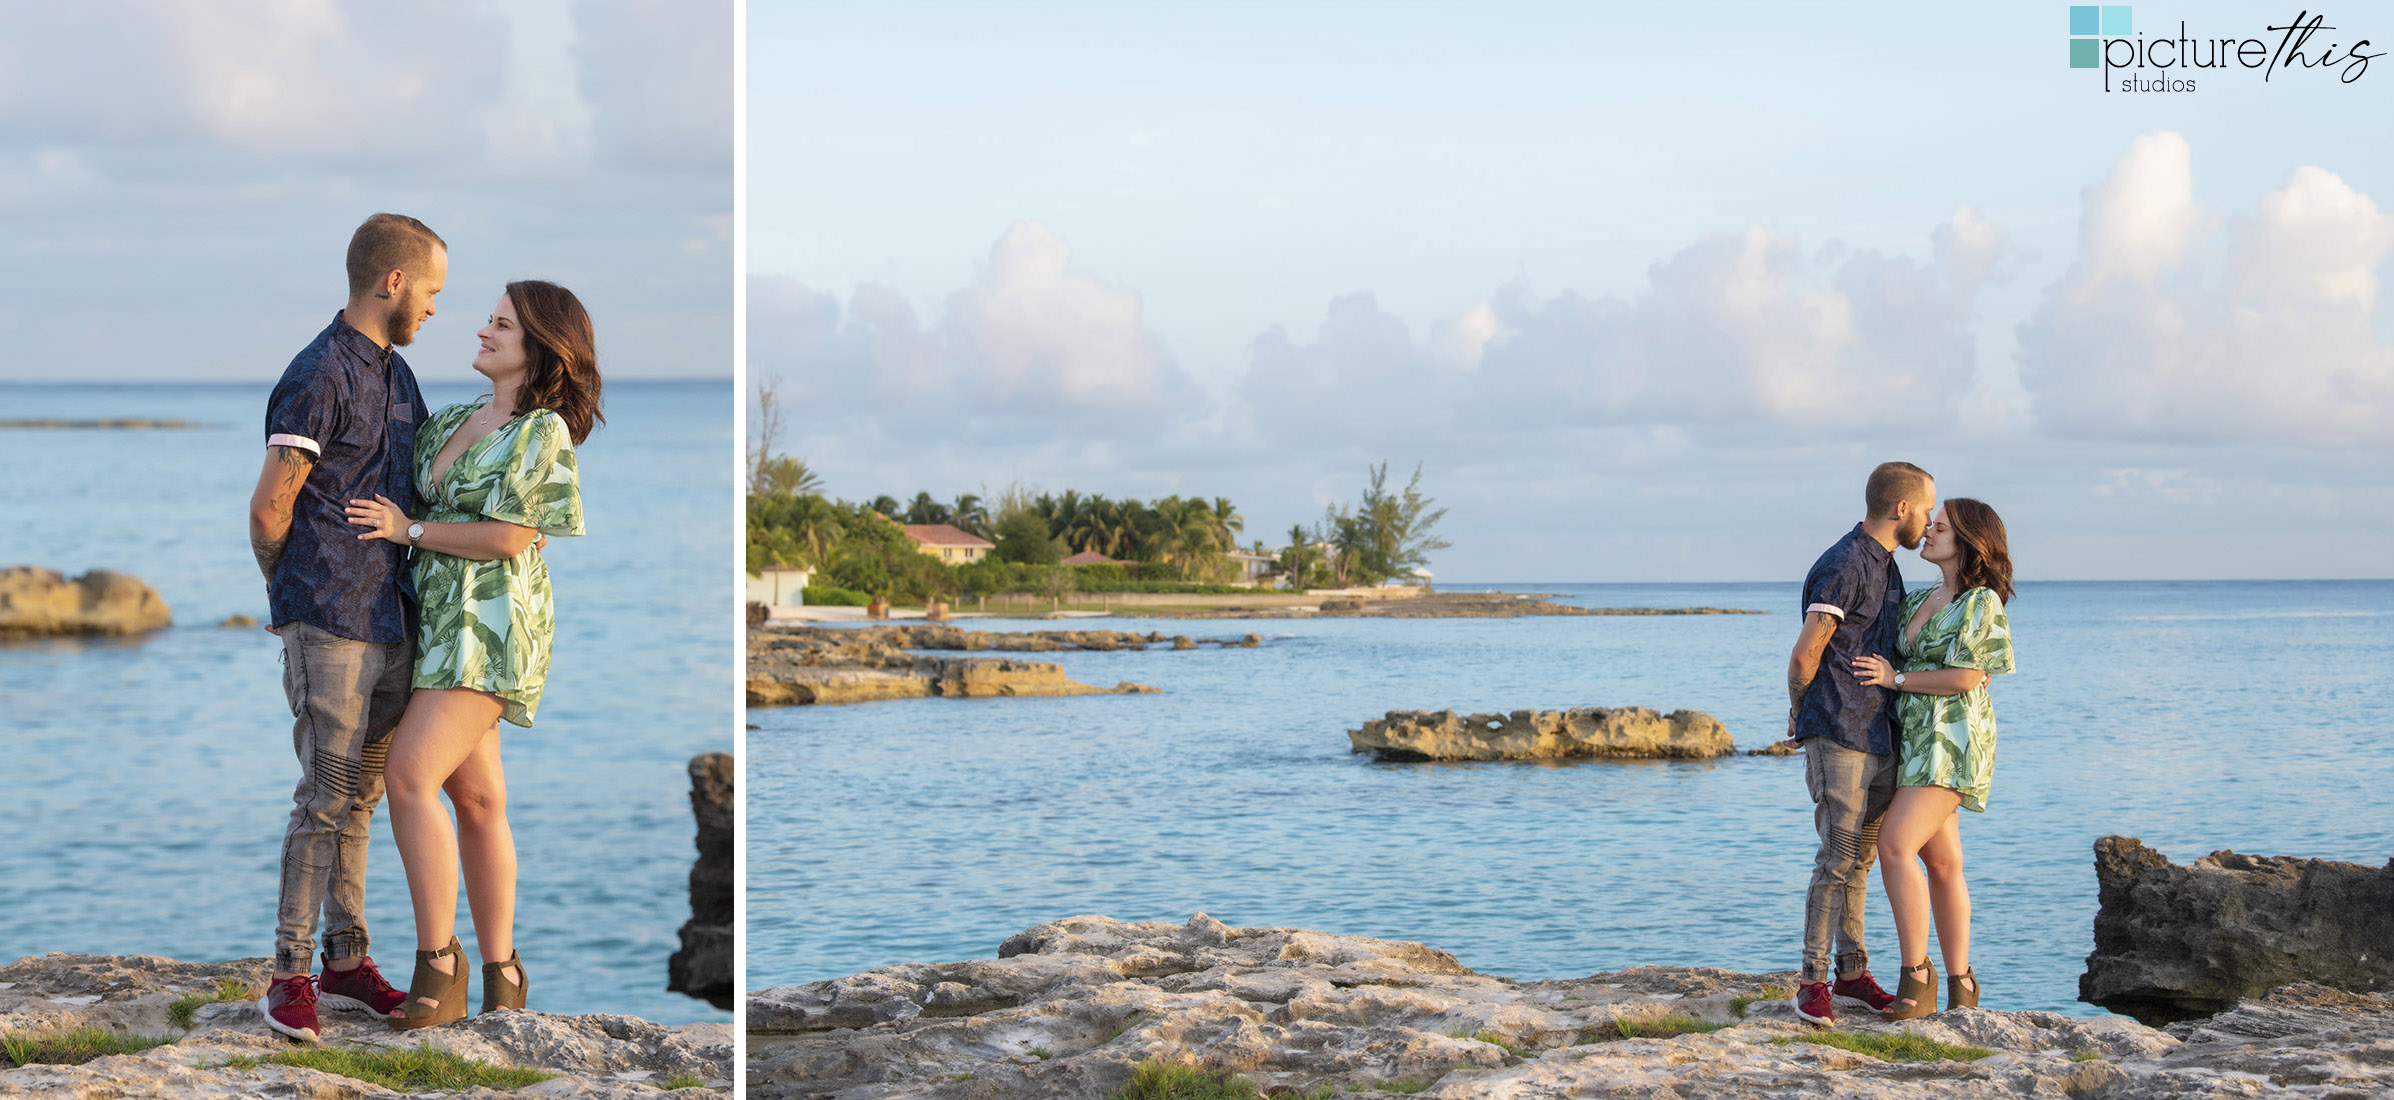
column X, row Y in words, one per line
column 561, row 371
column 1986, row 554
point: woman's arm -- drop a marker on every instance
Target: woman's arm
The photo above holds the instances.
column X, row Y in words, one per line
column 481, row 540
column 1874, row 670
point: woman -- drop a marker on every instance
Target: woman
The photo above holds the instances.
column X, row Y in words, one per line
column 495, row 475
column 1953, row 638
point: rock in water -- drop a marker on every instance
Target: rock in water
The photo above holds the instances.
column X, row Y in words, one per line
column 2176, row 943
column 40, row 603
column 703, row 967
column 1617, row 732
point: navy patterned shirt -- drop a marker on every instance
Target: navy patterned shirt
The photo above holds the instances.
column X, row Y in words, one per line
column 354, row 405
column 1855, row 580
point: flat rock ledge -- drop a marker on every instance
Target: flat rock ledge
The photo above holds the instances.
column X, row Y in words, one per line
column 797, row 666
column 1068, row 1010
column 597, row 1057
column 1629, row 733
column 2175, row 943
column 42, row 603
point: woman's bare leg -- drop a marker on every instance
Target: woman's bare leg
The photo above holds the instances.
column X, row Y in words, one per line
column 1949, row 895
column 1913, row 819
column 441, row 729
column 486, row 846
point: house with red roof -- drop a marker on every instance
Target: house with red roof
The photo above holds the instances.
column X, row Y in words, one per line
column 949, row 543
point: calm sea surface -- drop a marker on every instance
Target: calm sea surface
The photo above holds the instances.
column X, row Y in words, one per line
column 2197, row 716
column 146, row 785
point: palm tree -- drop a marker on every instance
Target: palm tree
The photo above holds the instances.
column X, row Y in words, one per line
column 786, row 476
column 971, row 515
column 926, row 510
column 1227, row 524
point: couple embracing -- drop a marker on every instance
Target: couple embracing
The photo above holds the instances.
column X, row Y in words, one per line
column 1888, row 697
column 402, row 555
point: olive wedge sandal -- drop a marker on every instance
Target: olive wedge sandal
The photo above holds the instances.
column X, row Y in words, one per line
column 1921, row 991
column 429, row 986
column 497, row 990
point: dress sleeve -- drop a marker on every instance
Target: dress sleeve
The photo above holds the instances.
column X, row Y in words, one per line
column 1985, row 640
column 304, row 413
column 539, row 489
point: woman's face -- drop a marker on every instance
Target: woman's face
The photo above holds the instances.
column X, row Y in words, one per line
column 1939, row 545
column 502, row 355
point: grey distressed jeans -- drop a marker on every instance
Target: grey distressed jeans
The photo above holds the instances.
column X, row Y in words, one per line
column 346, row 698
column 1850, row 794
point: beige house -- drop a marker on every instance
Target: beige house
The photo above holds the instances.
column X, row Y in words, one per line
column 948, row 543
column 779, row 587
column 1253, row 569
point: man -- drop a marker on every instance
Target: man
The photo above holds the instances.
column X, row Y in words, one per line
column 1852, row 602
column 341, row 424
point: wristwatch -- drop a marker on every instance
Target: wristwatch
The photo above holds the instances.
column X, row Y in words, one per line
column 1899, row 677
column 416, row 531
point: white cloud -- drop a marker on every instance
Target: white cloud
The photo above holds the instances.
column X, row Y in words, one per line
column 2167, row 329
column 658, row 77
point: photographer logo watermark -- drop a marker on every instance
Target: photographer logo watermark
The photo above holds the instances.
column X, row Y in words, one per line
column 2104, row 37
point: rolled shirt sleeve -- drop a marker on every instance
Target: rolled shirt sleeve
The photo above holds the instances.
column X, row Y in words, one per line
column 1841, row 592
column 304, row 413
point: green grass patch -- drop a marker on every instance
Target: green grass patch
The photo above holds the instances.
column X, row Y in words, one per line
column 1489, row 1037
column 1161, row 1081
column 1900, row 1046
column 421, row 1069
column 1662, row 1027
column 1405, row 1086
column 186, row 1007
column 1041, row 1053
column 73, row 1048
column 692, row 1081
column 2087, row 1056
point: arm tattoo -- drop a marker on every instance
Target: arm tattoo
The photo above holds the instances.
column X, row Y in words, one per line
column 269, row 552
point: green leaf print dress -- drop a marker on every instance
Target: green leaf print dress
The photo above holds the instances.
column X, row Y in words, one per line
column 1949, row 740
column 487, row 624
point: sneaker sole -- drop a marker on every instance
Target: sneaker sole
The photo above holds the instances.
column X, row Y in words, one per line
column 1824, row 1021
column 335, row 1000
column 294, row 1032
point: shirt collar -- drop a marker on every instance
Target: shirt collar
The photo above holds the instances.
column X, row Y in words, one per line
column 359, row 343
column 1871, row 546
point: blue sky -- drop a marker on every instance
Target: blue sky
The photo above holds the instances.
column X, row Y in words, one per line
column 178, row 181
column 1646, row 288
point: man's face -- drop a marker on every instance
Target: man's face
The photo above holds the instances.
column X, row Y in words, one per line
column 415, row 299
column 1915, row 520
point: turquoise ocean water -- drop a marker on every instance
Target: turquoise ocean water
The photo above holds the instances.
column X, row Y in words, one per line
column 147, row 782
column 2197, row 716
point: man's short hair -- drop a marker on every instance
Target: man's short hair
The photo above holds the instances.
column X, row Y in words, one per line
column 388, row 242
column 1890, row 483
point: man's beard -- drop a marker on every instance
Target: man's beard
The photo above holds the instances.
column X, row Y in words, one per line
column 1910, row 536
column 405, row 321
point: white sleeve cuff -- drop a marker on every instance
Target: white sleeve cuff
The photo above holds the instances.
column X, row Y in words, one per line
column 302, row 442
column 1830, row 609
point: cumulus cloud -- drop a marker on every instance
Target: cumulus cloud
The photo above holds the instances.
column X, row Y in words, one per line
column 2175, row 325
column 1734, row 330
column 1032, row 343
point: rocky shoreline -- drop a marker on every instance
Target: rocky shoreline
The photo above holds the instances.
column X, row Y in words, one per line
column 795, row 666
column 218, row 1048
column 1432, row 605
column 1074, row 1009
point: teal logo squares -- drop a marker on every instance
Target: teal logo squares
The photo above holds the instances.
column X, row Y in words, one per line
column 2115, row 20
column 2084, row 53
column 2083, row 19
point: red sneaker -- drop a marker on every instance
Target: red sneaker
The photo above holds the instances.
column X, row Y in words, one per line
column 290, row 1007
column 361, row 988
column 1814, row 1005
column 1864, row 988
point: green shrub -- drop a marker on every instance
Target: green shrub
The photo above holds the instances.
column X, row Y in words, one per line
column 831, row 595
column 1162, row 1081
column 419, row 1069
column 73, row 1048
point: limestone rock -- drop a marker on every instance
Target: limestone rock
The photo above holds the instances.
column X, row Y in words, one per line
column 1067, row 1010
column 1616, row 732
column 703, row 967
column 2174, row 943
column 37, row 603
column 598, row 1057
column 803, row 665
